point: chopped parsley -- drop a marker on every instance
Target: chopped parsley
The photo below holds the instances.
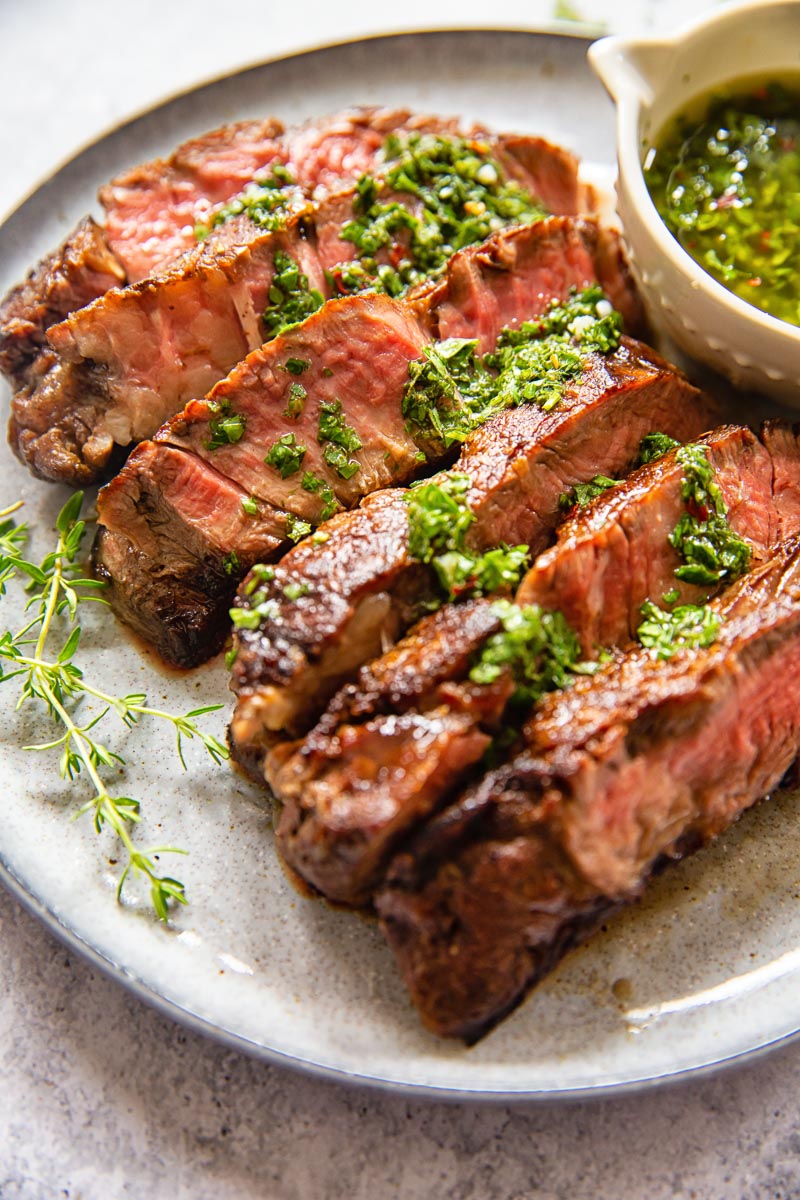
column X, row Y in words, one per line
column 460, row 197
column 267, row 202
column 286, row 455
column 226, row 427
column 261, row 606
column 296, row 366
column 231, row 563
column 654, row 446
column 312, row 483
column 449, row 392
column 582, row 494
column 291, row 299
column 253, row 618
column 250, row 506
column 259, row 575
column 293, row 591
column 296, row 527
column 709, row 549
column 668, row 632
column 452, row 390
column 438, row 520
column 296, row 402
column 338, row 439
column 537, row 647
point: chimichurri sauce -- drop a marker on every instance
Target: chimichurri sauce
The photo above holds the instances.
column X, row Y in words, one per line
column 728, row 187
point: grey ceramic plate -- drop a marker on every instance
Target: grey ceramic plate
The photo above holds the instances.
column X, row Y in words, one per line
column 704, row 971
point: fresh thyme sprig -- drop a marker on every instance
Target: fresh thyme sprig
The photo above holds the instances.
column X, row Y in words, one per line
column 57, row 588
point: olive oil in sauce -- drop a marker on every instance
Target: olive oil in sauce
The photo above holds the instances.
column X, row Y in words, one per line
column 726, row 181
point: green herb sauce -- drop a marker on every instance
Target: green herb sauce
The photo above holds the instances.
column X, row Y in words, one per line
column 338, row 440
column 582, row 494
column 296, row 528
column 709, row 549
column 727, row 184
column 438, row 520
column 291, row 299
column 452, row 390
column 312, row 483
column 654, row 446
column 286, row 455
column 226, row 427
column 463, row 194
column 262, row 607
column 267, row 202
column 668, row 632
column 538, row 648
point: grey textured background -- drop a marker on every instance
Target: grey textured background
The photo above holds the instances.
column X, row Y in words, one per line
column 102, row 1098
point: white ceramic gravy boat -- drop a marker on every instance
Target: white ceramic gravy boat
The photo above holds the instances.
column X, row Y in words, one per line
column 651, row 82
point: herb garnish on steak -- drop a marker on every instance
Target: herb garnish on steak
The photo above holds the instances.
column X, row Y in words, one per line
column 519, row 463
column 167, row 339
column 333, row 829
column 630, row 769
column 358, row 350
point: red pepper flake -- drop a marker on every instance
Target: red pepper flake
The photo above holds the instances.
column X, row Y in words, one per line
column 396, row 254
column 755, row 281
column 700, row 512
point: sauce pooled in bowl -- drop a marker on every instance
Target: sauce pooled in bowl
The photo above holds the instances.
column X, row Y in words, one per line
column 726, row 181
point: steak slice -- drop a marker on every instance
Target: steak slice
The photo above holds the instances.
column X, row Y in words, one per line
column 367, row 341
column 330, row 831
column 626, row 771
column 519, row 464
column 170, row 575
column 346, row 791
column 167, row 339
column 612, row 556
column 152, row 209
column 81, row 268
column 154, row 345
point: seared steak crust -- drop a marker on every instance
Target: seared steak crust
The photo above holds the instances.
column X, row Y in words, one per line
column 634, row 767
column 367, row 343
column 81, row 268
column 344, row 789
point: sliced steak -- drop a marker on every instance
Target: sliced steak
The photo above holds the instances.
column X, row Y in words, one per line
column 519, row 464
column 170, row 576
column 81, row 268
column 168, row 339
column 612, row 556
column 636, row 766
column 346, row 793
column 367, row 341
column 152, row 209
column 330, row 832
column 154, row 345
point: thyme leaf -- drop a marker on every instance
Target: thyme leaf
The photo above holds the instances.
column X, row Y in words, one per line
column 51, row 680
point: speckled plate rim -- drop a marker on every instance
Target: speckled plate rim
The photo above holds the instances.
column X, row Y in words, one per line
column 196, row 1024
column 37, row 906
